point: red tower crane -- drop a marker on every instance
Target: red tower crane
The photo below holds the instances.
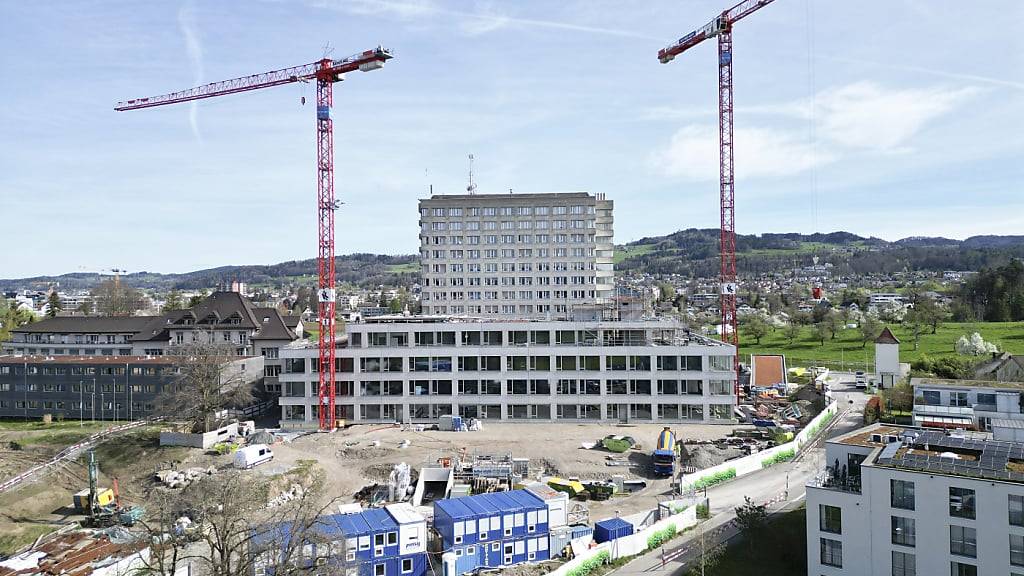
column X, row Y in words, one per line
column 326, row 72
column 721, row 26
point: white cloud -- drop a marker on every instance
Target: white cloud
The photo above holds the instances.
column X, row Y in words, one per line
column 693, row 154
column 864, row 115
column 194, row 49
column 860, row 116
column 483, row 19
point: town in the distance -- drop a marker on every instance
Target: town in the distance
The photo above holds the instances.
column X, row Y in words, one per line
column 588, row 368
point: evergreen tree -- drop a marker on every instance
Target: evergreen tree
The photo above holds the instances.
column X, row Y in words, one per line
column 53, row 304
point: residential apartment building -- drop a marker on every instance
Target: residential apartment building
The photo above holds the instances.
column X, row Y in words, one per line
column 906, row 501
column 225, row 317
column 515, row 255
column 95, row 387
column 415, row 369
column 967, row 404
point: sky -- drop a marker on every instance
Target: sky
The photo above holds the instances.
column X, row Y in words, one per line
column 887, row 118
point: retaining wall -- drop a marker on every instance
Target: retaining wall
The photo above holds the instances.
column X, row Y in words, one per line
column 755, row 462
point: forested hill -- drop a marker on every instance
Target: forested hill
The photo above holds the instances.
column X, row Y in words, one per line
column 688, row 252
column 362, row 269
column 695, row 252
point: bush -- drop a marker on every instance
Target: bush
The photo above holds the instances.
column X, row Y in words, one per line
column 944, row 367
column 782, row 456
column 223, row 448
column 873, row 410
column 703, row 512
column 661, row 536
column 716, row 478
column 589, row 565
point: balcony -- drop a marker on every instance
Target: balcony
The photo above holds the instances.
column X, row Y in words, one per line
column 838, row 482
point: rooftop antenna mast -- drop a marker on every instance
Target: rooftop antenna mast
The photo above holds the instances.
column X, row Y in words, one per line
column 472, row 185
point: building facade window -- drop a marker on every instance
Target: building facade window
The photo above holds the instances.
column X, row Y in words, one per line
column 1016, row 550
column 903, row 564
column 1016, row 508
column 961, row 502
column 831, row 552
column 904, row 531
column 901, row 494
column 963, row 541
column 961, row 569
column 831, row 518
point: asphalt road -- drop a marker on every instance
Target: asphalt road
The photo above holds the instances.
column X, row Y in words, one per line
column 782, row 487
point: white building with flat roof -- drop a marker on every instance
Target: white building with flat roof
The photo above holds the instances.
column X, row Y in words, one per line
column 515, row 255
column 416, row 369
column 968, row 404
column 906, row 501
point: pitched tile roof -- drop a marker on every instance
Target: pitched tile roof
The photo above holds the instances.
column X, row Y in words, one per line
column 887, row 337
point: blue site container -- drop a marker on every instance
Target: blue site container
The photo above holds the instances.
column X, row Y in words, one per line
column 581, row 530
column 493, row 530
column 610, row 529
column 373, row 541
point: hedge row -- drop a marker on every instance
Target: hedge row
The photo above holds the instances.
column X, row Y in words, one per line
column 716, row 478
column 590, row 564
column 782, row 456
column 661, row 536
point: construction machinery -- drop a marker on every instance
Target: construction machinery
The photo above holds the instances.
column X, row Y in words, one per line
column 102, row 506
column 326, row 72
column 721, row 27
column 664, row 454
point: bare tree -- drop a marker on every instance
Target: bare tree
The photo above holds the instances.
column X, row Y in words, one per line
column 205, row 383
column 115, row 298
column 233, row 528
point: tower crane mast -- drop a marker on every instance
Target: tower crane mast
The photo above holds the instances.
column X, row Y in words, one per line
column 326, row 72
column 721, row 27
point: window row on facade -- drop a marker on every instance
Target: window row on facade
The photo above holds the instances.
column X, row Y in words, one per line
column 419, row 411
column 531, row 387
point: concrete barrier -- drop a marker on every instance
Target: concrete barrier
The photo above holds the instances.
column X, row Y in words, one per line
column 204, row 441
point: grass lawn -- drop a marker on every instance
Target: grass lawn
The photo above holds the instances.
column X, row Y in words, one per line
column 25, row 535
column 847, row 347
column 780, row 549
column 623, row 252
column 410, row 267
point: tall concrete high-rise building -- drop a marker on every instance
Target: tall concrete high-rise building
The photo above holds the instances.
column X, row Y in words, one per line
column 515, row 255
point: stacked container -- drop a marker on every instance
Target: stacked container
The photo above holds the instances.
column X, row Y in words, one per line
column 493, row 530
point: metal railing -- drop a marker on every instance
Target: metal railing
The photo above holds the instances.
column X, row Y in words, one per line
column 832, row 481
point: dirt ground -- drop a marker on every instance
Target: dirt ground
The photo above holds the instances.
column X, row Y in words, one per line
column 351, row 459
column 361, row 455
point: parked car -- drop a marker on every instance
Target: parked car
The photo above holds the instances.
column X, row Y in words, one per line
column 861, row 379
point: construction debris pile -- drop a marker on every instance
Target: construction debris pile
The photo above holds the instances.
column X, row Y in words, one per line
column 182, row 478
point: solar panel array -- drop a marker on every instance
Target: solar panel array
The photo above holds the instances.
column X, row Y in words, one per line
column 993, row 456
